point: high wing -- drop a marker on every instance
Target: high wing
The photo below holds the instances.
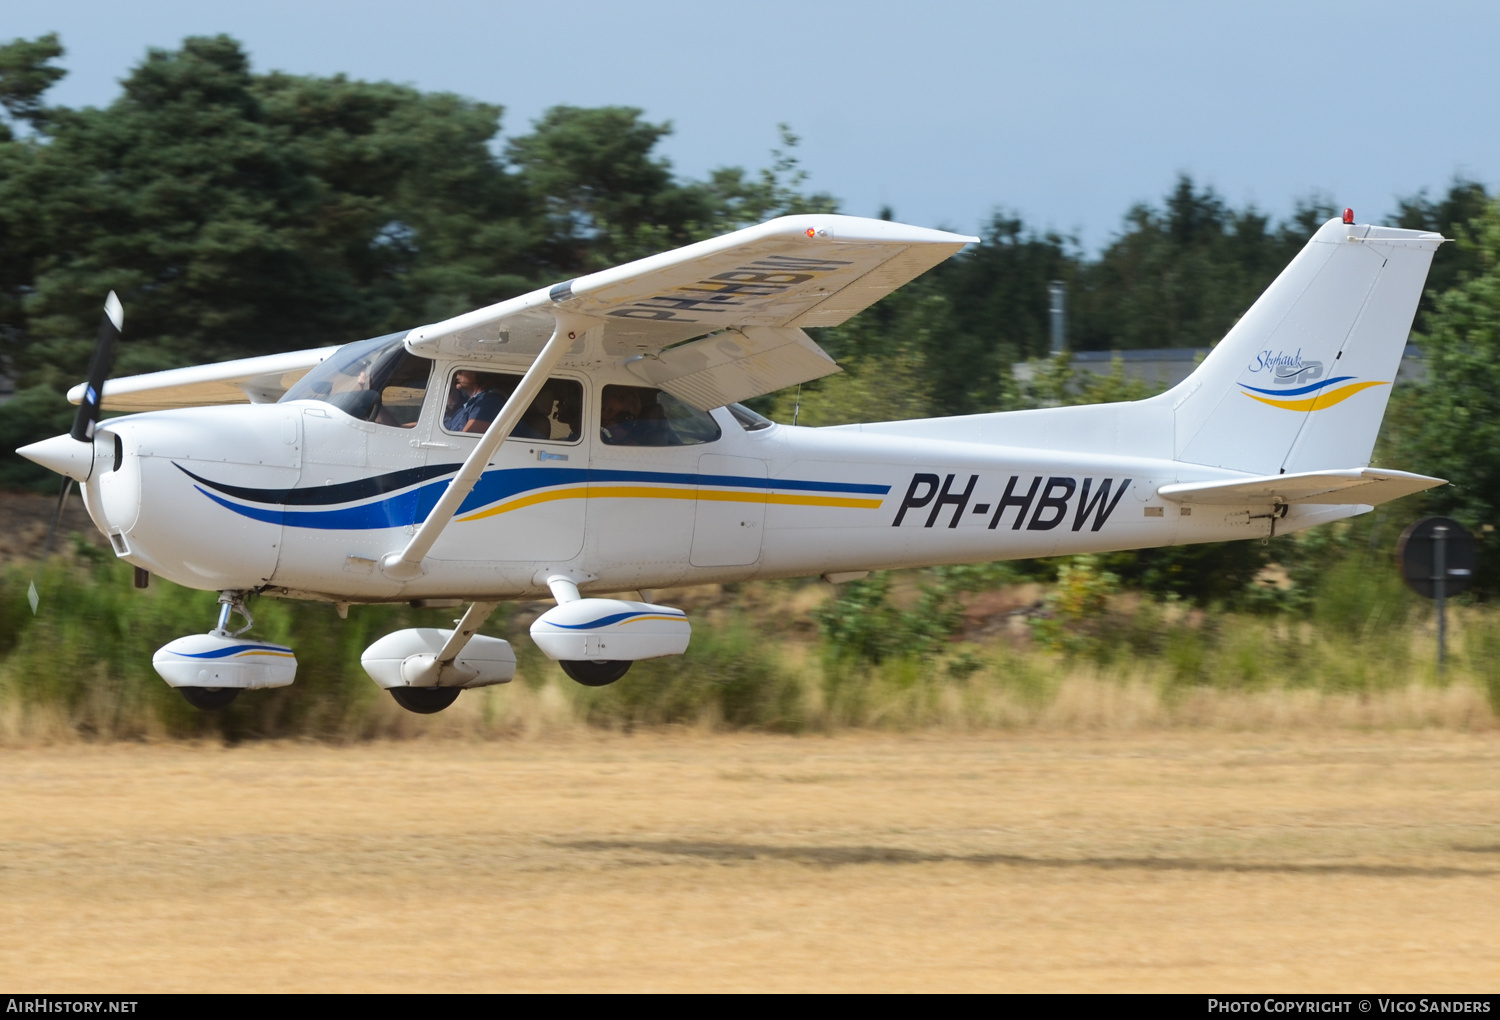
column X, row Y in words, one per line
column 753, row 289
column 258, row 380
column 747, row 294
column 1370, row 486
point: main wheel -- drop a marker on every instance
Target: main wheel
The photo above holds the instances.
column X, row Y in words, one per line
column 595, row 674
column 209, row 698
column 425, row 700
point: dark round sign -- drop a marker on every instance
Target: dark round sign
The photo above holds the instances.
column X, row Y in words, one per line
column 1426, row 553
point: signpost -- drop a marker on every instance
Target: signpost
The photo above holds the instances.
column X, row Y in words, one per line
column 1437, row 561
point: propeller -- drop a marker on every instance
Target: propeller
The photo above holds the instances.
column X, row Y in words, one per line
column 70, row 460
column 110, row 325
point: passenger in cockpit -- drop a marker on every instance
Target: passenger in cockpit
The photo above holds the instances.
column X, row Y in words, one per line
column 617, row 414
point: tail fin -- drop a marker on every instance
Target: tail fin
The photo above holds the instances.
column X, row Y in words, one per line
column 1302, row 380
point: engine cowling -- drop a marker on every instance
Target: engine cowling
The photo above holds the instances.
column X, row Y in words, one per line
column 611, row 629
column 407, row 658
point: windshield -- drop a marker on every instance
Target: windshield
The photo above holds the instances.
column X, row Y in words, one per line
column 374, row 380
column 749, row 420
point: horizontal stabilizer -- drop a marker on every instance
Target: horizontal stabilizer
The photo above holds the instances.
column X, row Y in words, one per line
column 258, row 380
column 1368, row 486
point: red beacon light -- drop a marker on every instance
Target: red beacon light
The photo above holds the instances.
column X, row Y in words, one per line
column 1348, row 215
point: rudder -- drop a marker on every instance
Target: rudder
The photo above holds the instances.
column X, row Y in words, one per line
column 1301, row 382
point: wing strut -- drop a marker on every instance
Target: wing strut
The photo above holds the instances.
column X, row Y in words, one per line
column 406, row 565
column 432, row 669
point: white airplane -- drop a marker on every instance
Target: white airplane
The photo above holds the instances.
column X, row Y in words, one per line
column 586, row 440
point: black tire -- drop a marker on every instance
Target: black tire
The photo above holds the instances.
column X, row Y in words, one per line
column 425, row 700
column 209, row 699
column 595, row 674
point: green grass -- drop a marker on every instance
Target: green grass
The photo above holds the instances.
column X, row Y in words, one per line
column 81, row 667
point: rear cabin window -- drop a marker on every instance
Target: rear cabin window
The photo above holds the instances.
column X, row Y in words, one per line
column 476, row 397
column 641, row 416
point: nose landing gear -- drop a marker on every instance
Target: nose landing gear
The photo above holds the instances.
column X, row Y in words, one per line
column 209, row 699
column 211, row 669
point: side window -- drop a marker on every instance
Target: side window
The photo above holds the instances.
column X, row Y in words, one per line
column 476, row 397
column 641, row 416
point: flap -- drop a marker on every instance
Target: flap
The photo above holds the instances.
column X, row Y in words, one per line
column 793, row 271
column 736, row 365
column 257, row 380
column 1369, row 486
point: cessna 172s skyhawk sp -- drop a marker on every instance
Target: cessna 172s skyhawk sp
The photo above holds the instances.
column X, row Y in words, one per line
column 585, row 439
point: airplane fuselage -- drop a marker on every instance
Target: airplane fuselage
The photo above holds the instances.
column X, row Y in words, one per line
column 299, row 498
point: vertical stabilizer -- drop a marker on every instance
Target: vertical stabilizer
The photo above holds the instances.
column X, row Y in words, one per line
column 1302, row 380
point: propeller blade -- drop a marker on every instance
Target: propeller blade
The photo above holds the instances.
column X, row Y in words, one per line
column 111, row 325
column 62, row 497
column 32, row 596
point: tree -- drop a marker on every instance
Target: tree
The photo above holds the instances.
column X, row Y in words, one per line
column 997, row 294
column 25, row 76
column 240, row 214
column 1180, row 276
column 1452, row 215
column 1454, row 426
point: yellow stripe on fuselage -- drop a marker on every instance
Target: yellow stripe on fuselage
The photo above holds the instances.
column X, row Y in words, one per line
column 1320, row 400
column 661, row 492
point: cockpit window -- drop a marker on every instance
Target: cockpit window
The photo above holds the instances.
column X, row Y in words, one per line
column 475, row 397
column 749, row 420
column 641, row 416
column 374, row 380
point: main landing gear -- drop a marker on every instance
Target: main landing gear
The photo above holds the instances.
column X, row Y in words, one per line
column 425, row 700
column 426, row 668
column 595, row 674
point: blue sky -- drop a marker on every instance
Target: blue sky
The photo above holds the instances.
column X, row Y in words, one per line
column 1066, row 112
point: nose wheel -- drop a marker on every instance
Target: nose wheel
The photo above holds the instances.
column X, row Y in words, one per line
column 209, row 699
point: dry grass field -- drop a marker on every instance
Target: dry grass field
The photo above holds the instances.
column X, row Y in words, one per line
column 1175, row 860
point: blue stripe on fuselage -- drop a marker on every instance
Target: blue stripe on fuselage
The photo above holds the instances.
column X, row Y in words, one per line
column 415, row 504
